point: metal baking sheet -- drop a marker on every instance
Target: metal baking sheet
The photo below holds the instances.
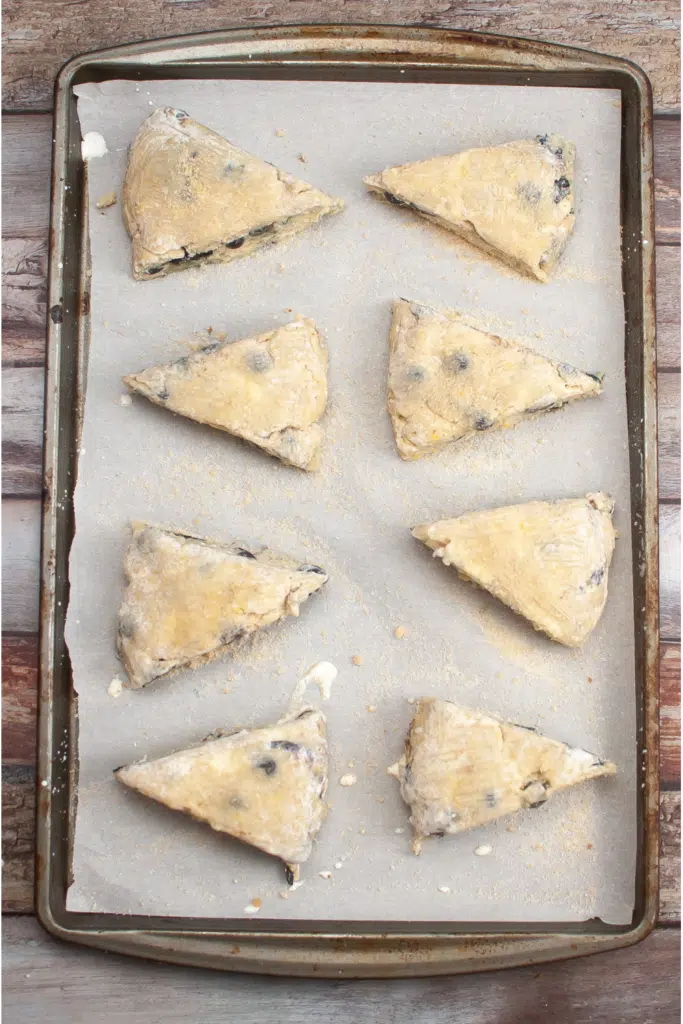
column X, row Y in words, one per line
column 495, row 634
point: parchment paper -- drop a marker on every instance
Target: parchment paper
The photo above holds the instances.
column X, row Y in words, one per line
column 571, row 860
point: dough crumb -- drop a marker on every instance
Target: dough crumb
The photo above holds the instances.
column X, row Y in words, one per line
column 371, row 708
column 106, row 200
column 115, row 688
column 338, row 865
column 444, row 888
column 253, row 907
column 303, row 158
column 483, row 851
column 295, row 885
column 400, row 632
column 399, row 831
column 357, row 659
column 361, row 831
column 348, row 780
column 125, row 400
column 93, row 145
column 279, row 132
column 325, row 874
column 283, row 895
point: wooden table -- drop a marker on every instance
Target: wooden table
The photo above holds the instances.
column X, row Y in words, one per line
column 48, row 981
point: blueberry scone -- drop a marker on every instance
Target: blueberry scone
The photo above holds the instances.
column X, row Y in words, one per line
column 514, row 201
column 270, row 390
column 190, row 196
column 188, row 599
column 448, row 380
column 462, row 769
column 265, row 786
column 547, row 560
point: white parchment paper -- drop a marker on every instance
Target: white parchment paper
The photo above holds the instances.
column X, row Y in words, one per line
column 571, row 860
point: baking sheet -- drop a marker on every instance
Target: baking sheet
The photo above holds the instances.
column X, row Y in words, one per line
column 570, row 861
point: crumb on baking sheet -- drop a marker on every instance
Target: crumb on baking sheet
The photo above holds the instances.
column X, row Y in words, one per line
column 107, row 200
column 357, row 659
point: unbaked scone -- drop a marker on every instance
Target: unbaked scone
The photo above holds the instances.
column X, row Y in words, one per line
column 514, row 201
column 187, row 599
column 270, row 390
column 265, row 786
column 449, row 380
column 190, row 196
column 462, row 769
column 547, row 560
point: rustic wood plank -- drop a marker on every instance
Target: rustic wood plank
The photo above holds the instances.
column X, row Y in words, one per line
column 670, row 858
column 39, row 37
column 26, row 161
column 19, row 698
column 20, row 565
column 670, row 572
column 668, row 261
column 669, row 416
column 24, row 290
column 22, row 436
column 670, row 714
column 637, row 985
column 18, row 838
column 667, row 144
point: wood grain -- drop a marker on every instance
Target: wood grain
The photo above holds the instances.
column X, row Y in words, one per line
column 19, row 698
column 667, row 137
column 668, row 268
column 26, row 161
column 20, row 566
column 670, row 715
column 18, row 838
column 669, row 416
column 670, row 859
column 38, row 37
column 27, row 140
column 24, row 290
column 670, row 572
column 638, row 985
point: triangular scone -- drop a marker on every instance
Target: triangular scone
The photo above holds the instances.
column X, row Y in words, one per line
column 270, row 390
column 187, row 599
column 547, row 560
column 190, row 196
column 462, row 769
column 448, row 380
column 514, row 201
column 263, row 786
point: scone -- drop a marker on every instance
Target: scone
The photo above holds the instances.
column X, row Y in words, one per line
column 547, row 560
column 448, row 380
column 462, row 769
column 270, row 390
column 514, row 201
column 190, row 196
column 265, row 786
column 187, row 599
